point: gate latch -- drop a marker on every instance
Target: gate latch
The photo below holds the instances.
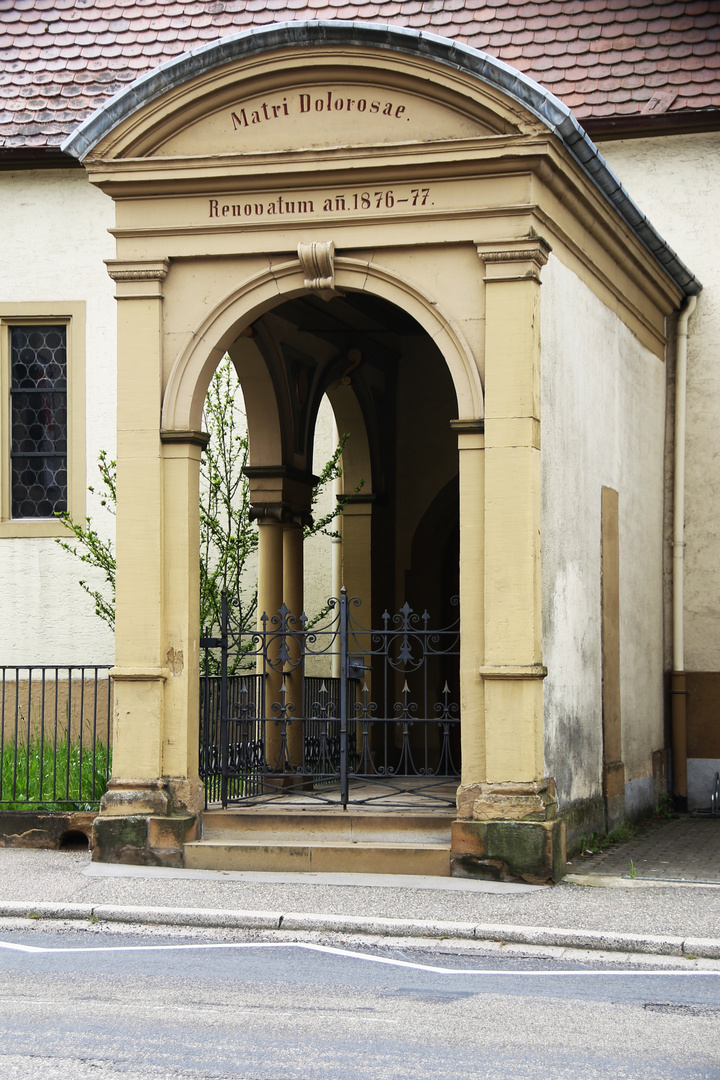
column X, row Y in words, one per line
column 356, row 667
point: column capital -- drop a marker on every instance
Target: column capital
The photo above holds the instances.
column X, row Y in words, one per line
column 193, row 438
column 138, row 278
column 280, row 493
column 515, row 260
column 279, row 514
column 469, row 427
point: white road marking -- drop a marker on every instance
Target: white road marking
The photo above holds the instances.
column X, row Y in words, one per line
column 347, row 954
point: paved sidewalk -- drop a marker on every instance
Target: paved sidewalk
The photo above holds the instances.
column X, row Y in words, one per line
column 680, row 850
column 645, row 914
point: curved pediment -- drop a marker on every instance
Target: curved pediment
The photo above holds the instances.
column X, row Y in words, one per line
column 278, row 90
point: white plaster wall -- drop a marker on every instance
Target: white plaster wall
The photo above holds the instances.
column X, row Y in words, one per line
column 55, row 237
column 676, row 181
column 603, row 417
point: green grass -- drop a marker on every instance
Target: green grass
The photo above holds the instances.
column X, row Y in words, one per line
column 50, row 781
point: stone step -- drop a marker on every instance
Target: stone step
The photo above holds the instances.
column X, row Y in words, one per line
column 329, row 857
column 301, row 826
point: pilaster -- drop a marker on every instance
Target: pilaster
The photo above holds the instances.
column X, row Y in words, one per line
column 471, row 452
column 140, row 664
column 155, row 773
column 506, row 807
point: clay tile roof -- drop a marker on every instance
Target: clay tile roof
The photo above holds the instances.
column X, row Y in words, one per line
column 603, row 58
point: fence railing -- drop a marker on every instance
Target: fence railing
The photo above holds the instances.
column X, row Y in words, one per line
column 55, row 736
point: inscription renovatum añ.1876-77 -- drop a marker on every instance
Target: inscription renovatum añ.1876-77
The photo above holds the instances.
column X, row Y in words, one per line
column 338, row 103
column 274, row 206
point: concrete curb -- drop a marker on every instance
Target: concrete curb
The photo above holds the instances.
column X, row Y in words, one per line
column 211, row 918
column 616, row 881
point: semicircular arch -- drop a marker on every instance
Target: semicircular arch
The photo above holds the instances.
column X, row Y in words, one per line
column 191, row 373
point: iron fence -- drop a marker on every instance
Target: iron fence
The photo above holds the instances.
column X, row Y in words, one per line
column 336, row 712
column 55, row 736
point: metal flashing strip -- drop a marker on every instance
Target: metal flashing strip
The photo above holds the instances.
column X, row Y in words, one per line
column 544, row 105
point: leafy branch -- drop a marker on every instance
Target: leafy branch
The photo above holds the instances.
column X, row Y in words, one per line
column 228, row 538
column 93, row 549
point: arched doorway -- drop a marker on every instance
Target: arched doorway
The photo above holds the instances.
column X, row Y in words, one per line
column 361, row 705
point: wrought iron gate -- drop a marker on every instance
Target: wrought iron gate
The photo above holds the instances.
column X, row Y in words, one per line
column 335, row 712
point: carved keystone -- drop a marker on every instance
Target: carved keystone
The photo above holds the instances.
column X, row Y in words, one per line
column 318, row 263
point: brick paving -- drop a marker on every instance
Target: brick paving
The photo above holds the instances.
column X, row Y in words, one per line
column 682, row 849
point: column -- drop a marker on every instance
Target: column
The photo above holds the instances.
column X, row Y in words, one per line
column 270, row 598
column 292, row 578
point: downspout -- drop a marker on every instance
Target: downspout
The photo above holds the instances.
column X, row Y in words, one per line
column 678, row 687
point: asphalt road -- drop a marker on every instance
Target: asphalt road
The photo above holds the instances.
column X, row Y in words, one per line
column 117, row 1006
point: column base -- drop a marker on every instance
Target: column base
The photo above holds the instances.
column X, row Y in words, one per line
column 146, row 822
column 532, row 852
column 175, row 795
column 143, row 839
column 508, row 801
column 509, row 831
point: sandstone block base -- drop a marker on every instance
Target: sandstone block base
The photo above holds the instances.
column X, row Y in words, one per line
column 143, row 839
column 527, row 851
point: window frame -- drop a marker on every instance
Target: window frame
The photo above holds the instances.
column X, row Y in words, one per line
column 72, row 316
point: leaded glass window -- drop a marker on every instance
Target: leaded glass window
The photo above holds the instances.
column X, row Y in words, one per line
column 38, row 450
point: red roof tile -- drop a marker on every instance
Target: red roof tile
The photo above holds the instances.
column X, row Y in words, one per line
column 61, row 59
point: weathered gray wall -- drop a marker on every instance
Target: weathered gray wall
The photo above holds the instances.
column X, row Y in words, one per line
column 603, row 417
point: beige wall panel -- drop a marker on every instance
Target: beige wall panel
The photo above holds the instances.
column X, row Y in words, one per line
column 512, row 384
column 512, row 567
column 357, row 556
column 137, row 730
column 319, row 117
column 515, row 739
column 139, row 485
column 139, row 620
column 275, row 194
